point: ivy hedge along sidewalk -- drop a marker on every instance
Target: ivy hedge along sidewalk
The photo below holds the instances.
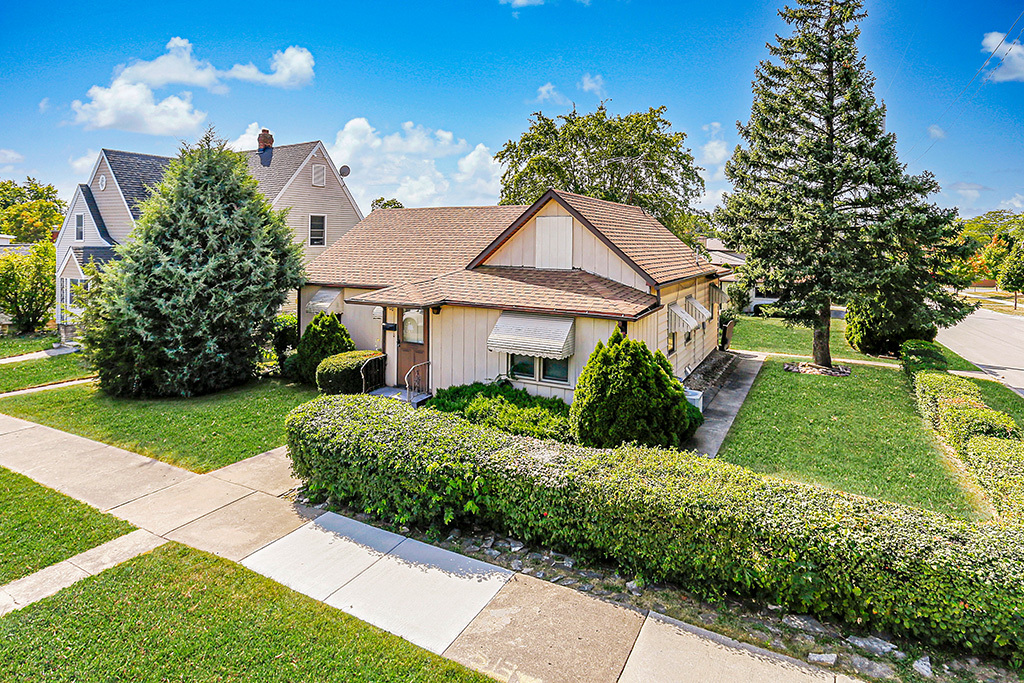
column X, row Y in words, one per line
column 708, row 525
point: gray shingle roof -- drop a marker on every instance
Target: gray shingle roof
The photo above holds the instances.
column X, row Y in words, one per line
column 99, row 255
column 6, row 249
column 136, row 172
column 94, row 210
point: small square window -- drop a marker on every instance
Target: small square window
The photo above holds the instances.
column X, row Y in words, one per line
column 556, row 369
column 317, row 231
column 79, row 227
column 523, row 367
column 319, row 175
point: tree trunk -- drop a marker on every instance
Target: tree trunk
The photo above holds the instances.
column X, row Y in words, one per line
column 822, row 331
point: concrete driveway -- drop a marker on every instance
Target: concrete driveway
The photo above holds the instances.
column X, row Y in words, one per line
column 992, row 341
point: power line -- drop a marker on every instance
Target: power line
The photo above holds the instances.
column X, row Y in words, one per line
column 969, row 83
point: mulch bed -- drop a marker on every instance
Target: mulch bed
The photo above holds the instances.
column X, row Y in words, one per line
column 812, row 369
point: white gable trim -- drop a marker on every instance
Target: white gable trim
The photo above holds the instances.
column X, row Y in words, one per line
column 69, row 215
column 296, row 173
column 64, row 263
column 330, row 163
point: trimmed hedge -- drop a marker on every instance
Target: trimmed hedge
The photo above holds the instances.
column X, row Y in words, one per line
column 917, row 355
column 962, row 419
column 709, row 525
column 342, row 372
column 932, row 387
column 998, row 465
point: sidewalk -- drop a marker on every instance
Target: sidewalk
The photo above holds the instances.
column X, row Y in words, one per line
column 510, row 626
column 36, row 355
column 720, row 414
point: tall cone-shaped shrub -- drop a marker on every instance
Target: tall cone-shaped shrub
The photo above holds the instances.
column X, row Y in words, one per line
column 822, row 206
column 193, row 296
column 626, row 393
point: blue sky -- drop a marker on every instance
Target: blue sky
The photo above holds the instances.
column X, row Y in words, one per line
column 416, row 96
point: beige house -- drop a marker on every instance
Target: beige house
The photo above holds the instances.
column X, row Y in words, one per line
column 103, row 211
column 464, row 294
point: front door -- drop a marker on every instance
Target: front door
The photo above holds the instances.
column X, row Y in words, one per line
column 413, row 337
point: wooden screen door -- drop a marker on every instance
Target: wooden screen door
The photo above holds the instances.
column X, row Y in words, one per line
column 413, row 339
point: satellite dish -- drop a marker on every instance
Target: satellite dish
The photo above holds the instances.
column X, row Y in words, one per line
column 344, row 171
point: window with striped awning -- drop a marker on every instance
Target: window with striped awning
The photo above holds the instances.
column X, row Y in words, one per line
column 529, row 334
column 696, row 309
column 679, row 320
column 718, row 295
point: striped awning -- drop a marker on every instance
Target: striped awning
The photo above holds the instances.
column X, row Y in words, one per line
column 679, row 320
column 697, row 310
column 718, row 295
column 530, row 334
column 326, row 300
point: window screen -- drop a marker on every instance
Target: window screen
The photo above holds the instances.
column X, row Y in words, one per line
column 317, row 230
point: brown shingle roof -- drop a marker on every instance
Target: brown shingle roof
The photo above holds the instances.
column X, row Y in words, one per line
column 641, row 238
column 574, row 292
column 395, row 246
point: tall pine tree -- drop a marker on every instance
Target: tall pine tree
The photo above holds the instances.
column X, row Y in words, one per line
column 822, row 206
column 193, row 297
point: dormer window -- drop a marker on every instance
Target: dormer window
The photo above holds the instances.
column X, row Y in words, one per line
column 319, row 175
column 79, row 227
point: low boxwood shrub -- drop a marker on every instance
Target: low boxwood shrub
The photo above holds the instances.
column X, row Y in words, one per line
column 342, row 372
column 998, row 465
column 961, row 418
column 504, row 407
column 918, row 354
column 324, row 336
column 930, row 387
column 711, row 526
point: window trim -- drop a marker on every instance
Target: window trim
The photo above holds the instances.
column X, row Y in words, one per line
column 323, row 239
column 79, row 227
column 673, row 343
column 323, row 171
column 538, row 373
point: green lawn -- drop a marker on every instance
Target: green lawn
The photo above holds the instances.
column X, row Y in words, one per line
column 14, row 345
column 40, row 527
column 860, row 434
column 999, row 396
column 200, row 433
column 178, row 614
column 32, row 373
column 771, row 335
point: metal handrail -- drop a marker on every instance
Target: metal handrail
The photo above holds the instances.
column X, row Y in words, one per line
column 362, row 368
column 408, row 395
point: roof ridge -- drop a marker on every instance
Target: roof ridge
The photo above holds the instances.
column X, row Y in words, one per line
column 138, row 154
column 603, row 201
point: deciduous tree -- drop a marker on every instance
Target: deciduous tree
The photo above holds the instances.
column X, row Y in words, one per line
column 382, row 203
column 822, row 206
column 30, row 211
column 27, row 286
column 1011, row 275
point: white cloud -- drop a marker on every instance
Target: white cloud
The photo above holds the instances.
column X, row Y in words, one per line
column 44, row 105
column 592, row 84
column 415, row 164
column 129, row 102
column 84, row 163
column 292, row 68
column 969, row 191
column 714, row 152
column 9, row 156
column 133, row 107
column 1014, row 203
column 549, row 93
column 248, row 139
column 935, row 132
column 1009, row 59
column 521, row 3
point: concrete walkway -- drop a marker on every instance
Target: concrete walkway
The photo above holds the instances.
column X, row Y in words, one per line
column 36, row 355
column 719, row 416
column 47, row 387
column 992, row 341
column 511, row 626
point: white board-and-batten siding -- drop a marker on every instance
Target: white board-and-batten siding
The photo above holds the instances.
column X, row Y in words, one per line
column 653, row 329
column 589, row 253
column 306, row 199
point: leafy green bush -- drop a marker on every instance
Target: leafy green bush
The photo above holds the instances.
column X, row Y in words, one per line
column 504, row 407
column 879, row 326
column 998, row 464
column 325, row 336
column 711, row 526
column 962, row 418
column 917, row 355
column 342, row 372
column 286, row 336
column 696, row 419
column 625, row 394
column 290, row 367
column 931, row 387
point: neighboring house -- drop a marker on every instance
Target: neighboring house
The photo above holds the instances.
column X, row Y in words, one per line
column 6, row 247
column 465, row 294
column 721, row 255
column 103, row 211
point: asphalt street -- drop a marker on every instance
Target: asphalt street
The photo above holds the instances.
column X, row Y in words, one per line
column 992, row 341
